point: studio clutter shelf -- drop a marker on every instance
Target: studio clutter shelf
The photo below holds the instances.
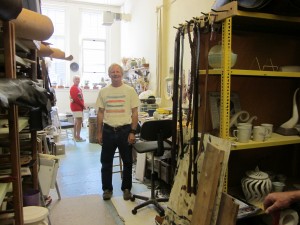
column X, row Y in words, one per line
column 264, row 92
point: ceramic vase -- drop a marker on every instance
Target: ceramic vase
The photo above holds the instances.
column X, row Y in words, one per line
column 256, row 185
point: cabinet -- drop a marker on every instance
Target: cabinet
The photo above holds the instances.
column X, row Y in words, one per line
column 258, row 39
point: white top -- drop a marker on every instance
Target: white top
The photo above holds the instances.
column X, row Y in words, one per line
column 34, row 214
column 117, row 103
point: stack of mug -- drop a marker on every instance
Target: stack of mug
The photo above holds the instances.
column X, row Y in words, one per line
column 245, row 131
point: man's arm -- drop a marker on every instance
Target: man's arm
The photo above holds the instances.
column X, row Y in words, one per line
column 134, row 118
column 100, row 116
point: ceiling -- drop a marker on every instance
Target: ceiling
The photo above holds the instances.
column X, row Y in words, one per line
column 104, row 2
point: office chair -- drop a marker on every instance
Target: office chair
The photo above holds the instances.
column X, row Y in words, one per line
column 154, row 135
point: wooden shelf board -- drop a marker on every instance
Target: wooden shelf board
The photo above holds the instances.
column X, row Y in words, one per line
column 22, row 61
column 26, row 45
column 255, row 73
column 23, row 122
column 275, row 140
column 231, row 10
column 3, row 190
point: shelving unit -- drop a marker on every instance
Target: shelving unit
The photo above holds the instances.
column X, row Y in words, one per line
column 13, row 129
column 12, row 124
column 266, row 94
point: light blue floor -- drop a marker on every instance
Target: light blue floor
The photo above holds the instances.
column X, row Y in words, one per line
column 79, row 172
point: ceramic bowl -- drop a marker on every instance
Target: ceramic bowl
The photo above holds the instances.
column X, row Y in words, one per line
column 215, row 57
column 215, row 60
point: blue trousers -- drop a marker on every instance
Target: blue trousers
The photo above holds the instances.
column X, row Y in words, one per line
column 111, row 140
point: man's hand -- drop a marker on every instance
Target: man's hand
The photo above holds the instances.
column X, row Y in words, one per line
column 131, row 138
column 276, row 201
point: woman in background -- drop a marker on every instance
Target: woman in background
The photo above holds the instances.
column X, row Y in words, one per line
column 77, row 107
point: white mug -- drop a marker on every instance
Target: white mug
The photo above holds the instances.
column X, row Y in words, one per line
column 242, row 134
column 260, row 133
column 247, row 125
column 269, row 127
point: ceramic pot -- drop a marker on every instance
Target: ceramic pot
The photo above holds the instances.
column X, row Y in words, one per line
column 256, row 185
column 215, row 57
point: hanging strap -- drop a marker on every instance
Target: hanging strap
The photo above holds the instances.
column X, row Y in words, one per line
column 175, row 98
column 192, row 83
column 181, row 93
column 196, row 32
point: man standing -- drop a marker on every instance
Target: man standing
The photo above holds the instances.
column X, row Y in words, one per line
column 77, row 107
column 117, row 120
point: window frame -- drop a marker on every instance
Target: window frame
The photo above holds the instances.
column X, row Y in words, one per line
column 57, row 78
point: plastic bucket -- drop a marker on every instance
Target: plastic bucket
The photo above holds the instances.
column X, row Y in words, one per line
column 31, row 198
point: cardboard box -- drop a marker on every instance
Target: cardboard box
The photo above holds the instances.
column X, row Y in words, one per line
column 60, row 149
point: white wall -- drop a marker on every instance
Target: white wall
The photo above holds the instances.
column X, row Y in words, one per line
column 138, row 37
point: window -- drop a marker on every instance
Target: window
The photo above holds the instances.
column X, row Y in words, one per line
column 57, row 67
column 93, row 56
column 93, row 47
column 84, row 36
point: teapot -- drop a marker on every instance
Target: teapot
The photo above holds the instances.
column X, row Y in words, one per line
column 256, row 185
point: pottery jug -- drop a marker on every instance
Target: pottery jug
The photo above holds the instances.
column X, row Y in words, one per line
column 256, row 185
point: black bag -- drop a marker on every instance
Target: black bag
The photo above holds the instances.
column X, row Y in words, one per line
column 38, row 119
column 10, row 9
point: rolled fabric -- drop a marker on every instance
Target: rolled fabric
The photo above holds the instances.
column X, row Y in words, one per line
column 288, row 217
column 10, row 9
column 33, row 26
column 59, row 54
column 44, row 51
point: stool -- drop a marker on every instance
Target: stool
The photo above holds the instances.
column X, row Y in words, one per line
column 32, row 215
column 35, row 215
column 120, row 163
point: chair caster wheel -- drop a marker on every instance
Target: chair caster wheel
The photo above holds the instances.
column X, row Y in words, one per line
column 132, row 199
column 134, row 211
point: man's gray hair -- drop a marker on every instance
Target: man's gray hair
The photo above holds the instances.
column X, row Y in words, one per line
column 113, row 65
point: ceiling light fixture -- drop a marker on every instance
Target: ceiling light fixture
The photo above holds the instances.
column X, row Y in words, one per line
column 109, row 17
